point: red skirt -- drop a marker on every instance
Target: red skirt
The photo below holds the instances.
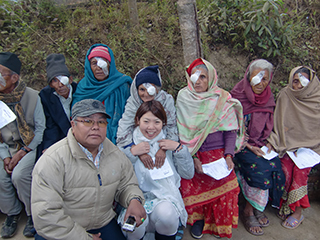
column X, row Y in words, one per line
column 215, row 201
column 296, row 191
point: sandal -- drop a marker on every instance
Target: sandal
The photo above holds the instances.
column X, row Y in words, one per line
column 282, row 216
column 292, row 223
column 260, row 215
column 250, row 222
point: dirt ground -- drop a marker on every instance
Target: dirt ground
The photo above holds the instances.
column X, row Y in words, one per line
column 309, row 230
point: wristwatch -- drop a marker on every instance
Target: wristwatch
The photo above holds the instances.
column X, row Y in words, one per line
column 137, row 198
column 24, row 149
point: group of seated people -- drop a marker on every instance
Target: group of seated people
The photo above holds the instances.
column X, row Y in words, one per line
column 81, row 158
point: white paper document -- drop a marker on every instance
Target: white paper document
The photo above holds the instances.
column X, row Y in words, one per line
column 163, row 172
column 7, row 116
column 305, row 158
column 267, row 155
column 217, row 169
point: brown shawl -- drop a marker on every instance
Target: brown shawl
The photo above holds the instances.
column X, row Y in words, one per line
column 297, row 117
column 13, row 101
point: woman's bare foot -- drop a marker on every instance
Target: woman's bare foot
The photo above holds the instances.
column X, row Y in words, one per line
column 297, row 215
column 248, row 212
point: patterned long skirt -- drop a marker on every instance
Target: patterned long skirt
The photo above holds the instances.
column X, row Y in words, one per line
column 296, row 192
column 260, row 173
column 214, row 201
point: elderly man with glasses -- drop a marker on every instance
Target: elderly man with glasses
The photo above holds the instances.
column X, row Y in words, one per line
column 76, row 181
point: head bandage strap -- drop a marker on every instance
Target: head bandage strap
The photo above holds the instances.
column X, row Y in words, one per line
column 257, row 78
column 103, row 65
column 63, row 79
column 195, row 77
column 303, row 80
column 2, row 81
column 150, row 88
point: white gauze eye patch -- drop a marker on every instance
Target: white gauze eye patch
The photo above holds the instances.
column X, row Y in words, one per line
column 103, row 65
column 194, row 77
column 150, row 88
column 64, row 80
column 257, row 78
column 2, row 81
column 303, row 80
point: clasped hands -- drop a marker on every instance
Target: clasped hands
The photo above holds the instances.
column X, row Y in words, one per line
column 10, row 163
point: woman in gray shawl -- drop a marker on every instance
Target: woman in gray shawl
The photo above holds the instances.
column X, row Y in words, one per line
column 146, row 86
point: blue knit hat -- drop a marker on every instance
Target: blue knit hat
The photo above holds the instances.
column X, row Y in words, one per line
column 148, row 75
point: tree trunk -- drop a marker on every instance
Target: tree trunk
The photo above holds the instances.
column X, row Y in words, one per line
column 187, row 11
column 133, row 13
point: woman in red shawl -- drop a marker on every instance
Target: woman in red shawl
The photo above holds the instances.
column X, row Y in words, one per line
column 259, row 178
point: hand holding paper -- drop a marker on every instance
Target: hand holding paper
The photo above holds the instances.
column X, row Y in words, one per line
column 217, row 169
column 305, row 158
column 267, row 155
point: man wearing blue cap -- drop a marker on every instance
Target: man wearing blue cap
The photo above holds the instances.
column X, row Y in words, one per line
column 21, row 130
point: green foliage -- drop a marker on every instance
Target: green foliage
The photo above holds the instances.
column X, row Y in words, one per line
column 255, row 26
column 35, row 28
column 282, row 31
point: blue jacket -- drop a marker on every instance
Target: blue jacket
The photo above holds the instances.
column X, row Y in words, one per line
column 57, row 122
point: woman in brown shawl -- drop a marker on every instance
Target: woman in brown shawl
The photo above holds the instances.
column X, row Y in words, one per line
column 296, row 125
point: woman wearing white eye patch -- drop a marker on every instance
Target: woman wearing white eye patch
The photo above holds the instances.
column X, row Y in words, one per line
column 146, row 86
column 210, row 124
column 102, row 81
column 296, row 125
column 259, row 178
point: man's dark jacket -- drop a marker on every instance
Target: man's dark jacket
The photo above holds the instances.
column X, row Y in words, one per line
column 57, row 122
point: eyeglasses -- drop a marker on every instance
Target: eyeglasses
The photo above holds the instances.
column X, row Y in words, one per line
column 90, row 123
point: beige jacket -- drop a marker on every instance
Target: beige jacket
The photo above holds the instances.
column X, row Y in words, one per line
column 67, row 198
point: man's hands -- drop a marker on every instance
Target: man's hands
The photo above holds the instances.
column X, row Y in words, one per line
column 10, row 163
column 136, row 210
column 6, row 162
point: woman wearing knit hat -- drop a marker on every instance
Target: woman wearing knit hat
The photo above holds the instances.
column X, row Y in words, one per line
column 102, row 81
column 146, row 86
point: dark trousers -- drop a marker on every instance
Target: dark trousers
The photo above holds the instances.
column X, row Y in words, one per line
column 111, row 231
